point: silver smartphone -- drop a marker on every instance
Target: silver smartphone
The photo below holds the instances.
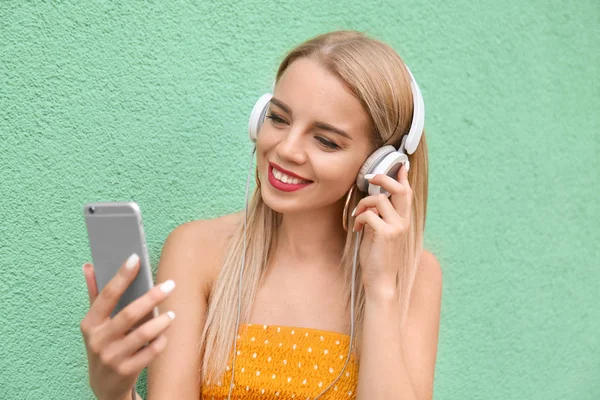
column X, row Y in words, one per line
column 115, row 231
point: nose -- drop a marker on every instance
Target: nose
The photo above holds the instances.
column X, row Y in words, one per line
column 291, row 148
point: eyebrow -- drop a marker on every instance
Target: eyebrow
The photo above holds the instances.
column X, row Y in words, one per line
column 318, row 124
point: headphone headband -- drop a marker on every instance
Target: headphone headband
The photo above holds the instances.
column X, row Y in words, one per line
column 418, row 118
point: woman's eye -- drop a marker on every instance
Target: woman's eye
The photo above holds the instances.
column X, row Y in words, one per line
column 327, row 143
column 324, row 142
column 275, row 118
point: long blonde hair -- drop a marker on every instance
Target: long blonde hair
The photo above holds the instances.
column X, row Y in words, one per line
column 378, row 78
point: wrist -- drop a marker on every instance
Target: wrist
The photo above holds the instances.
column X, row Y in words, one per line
column 382, row 292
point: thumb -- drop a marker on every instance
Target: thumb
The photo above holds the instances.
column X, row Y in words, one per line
column 90, row 280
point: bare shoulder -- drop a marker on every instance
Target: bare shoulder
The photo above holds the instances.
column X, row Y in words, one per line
column 430, row 271
column 205, row 242
column 427, row 288
column 211, row 238
column 191, row 257
column 214, row 228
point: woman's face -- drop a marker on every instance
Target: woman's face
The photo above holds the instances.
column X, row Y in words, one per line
column 316, row 129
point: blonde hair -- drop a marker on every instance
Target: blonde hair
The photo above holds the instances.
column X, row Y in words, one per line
column 377, row 76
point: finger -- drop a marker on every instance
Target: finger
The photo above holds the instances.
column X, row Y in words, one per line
column 402, row 200
column 400, row 191
column 387, row 182
column 139, row 338
column 403, row 173
column 383, row 205
column 372, row 219
column 142, row 358
column 90, row 280
column 142, row 306
column 145, row 334
column 111, row 293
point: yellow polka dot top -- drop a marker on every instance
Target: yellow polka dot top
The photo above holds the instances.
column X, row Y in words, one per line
column 279, row 362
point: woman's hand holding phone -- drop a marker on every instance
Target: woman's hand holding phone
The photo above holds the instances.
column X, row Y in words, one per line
column 116, row 352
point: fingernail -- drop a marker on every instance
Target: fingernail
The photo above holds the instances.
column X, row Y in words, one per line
column 83, row 266
column 171, row 314
column 354, row 212
column 132, row 261
column 167, row 286
column 369, row 176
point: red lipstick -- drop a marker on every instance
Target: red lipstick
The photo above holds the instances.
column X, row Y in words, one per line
column 285, row 171
column 285, row 187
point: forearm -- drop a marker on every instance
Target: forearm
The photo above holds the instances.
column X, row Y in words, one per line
column 383, row 374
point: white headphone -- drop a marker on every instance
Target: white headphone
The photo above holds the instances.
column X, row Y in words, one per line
column 385, row 160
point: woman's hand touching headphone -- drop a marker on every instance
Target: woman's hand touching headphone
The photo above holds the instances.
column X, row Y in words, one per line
column 386, row 221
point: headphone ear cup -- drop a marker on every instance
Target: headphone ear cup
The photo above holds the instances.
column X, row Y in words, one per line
column 257, row 116
column 370, row 165
column 389, row 166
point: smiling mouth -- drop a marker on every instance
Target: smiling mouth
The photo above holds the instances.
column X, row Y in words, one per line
column 286, row 176
column 288, row 179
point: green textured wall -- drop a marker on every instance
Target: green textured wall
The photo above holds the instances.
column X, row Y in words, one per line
column 148, row 101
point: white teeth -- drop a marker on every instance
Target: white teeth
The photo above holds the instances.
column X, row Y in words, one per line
column 280, row 176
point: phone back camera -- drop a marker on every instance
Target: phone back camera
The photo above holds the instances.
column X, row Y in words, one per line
column 92, row 209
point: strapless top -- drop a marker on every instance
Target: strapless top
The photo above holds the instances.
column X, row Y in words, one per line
column 282, row 362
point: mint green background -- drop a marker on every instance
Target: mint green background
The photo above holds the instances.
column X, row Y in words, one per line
column 148, row 101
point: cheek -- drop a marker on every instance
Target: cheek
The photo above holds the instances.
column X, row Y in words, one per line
column 265, row 144
column 338, row 174
column 267, row 138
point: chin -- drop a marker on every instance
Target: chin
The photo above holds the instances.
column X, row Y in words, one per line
column 299, row 203
column 282, row 206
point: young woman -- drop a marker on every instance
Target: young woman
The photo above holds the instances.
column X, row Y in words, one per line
column 293, row 327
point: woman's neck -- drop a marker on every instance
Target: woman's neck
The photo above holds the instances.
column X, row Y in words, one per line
column 309, row 236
